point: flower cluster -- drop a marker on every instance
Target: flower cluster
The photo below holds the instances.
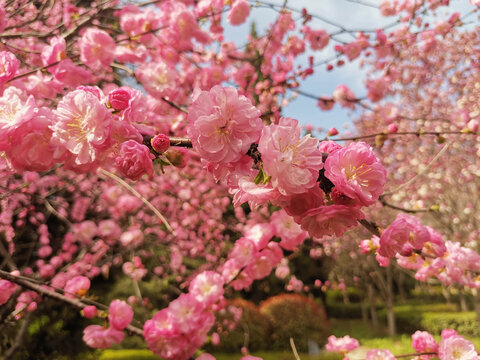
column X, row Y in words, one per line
column 177, row 331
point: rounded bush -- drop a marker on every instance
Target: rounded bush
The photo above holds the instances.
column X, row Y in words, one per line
column 298, row 317
column 253, row 329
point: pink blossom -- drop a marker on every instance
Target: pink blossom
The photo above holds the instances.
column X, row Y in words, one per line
column 30, row 146
column 243, row 251
column 222, row 124
column 98, row 337
column 282, row 270
column 456, row 348
column 244, row 189
column 377, row 354
column 7, row 289
column 205, row 356
column 403, row 235
column 109, row 230
column 260, row 234
column 344, row 96
column 97, row 48
column 325, row 103
column 15, row 110
column 133, row 237
column 292, row 162
column 343, row 344
column 207, row 288
column 3, row 19
column 318, row 39
column 422, row 341
column 435, row 245
column 78, row 286
column 446, row 333
column 82, row 125
column 69, row 74
column 328, row 146
column 250, row 357
column 356, row 172
column 120, row 314
column 158, row 79
column 8, row 66
column 378, row 88
column 54, row 52
column 330, row 220
column 387, row 8
column 298, row 205
column 134, row 160
column 187, row 314
column 286, row 229
column 239, row 12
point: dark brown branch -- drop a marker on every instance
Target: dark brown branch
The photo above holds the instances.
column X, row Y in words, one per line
column 400, row 133
column 182, row 142
column 371, row 226
column 410, row 211
column 54, row 295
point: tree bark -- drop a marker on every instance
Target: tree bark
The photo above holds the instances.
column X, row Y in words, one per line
column 476, row 293
column 373, row 308
column 392, row 331
column 463, row 301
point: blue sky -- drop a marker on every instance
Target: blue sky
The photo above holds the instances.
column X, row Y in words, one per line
column 350, row 15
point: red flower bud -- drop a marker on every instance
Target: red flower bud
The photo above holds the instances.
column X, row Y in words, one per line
column 160, row 143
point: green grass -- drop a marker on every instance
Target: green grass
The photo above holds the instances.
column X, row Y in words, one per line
column 148, row 355
column 128, row 355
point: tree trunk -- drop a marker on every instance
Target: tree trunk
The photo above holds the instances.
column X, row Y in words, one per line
column 401, row 286
column 389, row 303
column 364, row 308
column 463, row 301
column 446, row 294
column 346, row 299
column 373, row 308
column 476, row 294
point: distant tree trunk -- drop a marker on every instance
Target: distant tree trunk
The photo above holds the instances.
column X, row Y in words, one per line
column 463, row 301
column 401, row 286
column 346, row 299
column 373, row 308
column 389, row 303
column 446, row 294
column 364, row 308
column 476, row 293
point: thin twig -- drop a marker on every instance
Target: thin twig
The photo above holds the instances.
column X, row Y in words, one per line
column 420, row 173
column 141, row 197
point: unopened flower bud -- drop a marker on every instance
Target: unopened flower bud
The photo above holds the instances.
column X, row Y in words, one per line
column 89, row 312
column 392, row 128
column 332, row 132
column 160, row 143
column 119, row 98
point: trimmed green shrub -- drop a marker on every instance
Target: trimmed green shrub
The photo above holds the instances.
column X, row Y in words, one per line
column 252, row 330
column 433, row 318
column 298, row 317
column 465, row 323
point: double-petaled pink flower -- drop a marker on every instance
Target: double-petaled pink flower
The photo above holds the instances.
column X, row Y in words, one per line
column 222, row 124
